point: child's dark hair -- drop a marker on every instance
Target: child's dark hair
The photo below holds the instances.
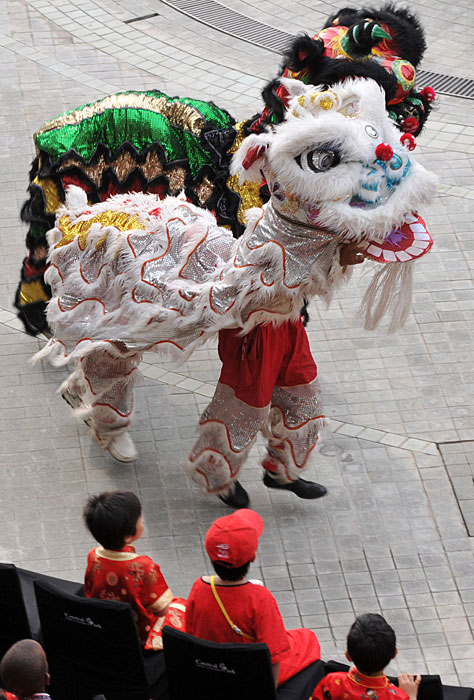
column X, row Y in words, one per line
column 371, row 643
column 230, row 573
column 112, row 516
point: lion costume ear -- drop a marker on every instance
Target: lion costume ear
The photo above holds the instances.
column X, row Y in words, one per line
column 295, row 88
column 248, row 159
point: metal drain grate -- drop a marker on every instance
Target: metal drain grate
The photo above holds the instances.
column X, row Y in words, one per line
column 446, row 84
column 233, row 23
column 228, row 21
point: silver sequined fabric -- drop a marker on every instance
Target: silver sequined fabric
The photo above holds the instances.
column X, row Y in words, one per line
column 228, row 428
column 176, row 281
column 300, row 249
column 241, row 420
column 299, row 404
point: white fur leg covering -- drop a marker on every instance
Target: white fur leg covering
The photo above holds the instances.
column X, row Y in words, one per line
column 227, row 430
column 288, row 451
column 212, row 463
column 74, row 389
column 296, row 418
column 391, row 287
column 101, row 392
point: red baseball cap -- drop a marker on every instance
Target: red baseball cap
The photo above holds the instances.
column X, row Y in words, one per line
column 233, row 539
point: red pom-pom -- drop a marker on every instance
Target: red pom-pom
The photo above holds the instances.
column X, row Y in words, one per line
column 410, row 124
column 384, row 151
column 429, row 94
column 408, row 140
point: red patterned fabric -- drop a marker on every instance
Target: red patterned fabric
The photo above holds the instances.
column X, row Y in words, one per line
column 356, row 686
column 36, row 696
column 30, row 270
column 130, row 578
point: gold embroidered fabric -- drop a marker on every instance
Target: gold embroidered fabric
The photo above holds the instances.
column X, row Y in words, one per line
column 32, row 292
column 249, row 192
column 81, row 229
column 51, row 193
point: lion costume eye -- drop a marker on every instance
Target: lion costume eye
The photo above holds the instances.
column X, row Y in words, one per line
column 318, row 159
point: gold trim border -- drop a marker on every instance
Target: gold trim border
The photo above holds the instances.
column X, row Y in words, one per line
column 179, row 114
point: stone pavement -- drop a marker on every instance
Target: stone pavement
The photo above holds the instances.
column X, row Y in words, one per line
column 393, row 534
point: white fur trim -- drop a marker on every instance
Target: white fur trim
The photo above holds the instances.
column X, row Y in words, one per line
column 76, row 199
column 252, row 174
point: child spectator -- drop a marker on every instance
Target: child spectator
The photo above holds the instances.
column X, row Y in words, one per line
column 116, row 572
column 229, row 608
column 24, row 671
column 371, row 645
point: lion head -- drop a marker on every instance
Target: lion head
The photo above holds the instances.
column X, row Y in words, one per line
column 337, row 161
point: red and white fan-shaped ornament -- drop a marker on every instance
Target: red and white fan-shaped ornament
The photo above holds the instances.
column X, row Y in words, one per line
column 408, row 242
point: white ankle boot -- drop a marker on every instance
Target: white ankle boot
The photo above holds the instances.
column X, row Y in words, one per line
column 123, row 448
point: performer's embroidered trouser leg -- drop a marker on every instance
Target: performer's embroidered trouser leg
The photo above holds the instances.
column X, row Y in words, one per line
column 102, row 385
column 294, row 422
column 296, row 413
column 269, row 374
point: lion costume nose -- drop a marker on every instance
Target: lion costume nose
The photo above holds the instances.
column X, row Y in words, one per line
column 384, row 152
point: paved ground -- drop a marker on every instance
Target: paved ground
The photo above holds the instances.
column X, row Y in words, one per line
column 390, row 536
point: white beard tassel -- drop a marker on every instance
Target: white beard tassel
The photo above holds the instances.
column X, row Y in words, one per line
column 391, row 287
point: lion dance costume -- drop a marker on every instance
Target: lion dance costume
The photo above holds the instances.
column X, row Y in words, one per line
column 149, row 142
column 135, row 274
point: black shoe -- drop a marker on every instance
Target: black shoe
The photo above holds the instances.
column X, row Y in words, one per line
column 304, row 315
column 300, row 487
column 237, row 498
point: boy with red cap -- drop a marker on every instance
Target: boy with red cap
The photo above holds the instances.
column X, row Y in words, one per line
column 229, row 608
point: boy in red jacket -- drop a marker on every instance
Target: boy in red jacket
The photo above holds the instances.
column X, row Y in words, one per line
column 116, row 572
column 371, row 645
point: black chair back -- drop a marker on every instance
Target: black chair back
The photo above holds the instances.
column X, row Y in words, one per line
column 302, row 685
column 14, row 620
column 27, row 580
column 200, row 669
column 453, row 692
column 93, row 647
